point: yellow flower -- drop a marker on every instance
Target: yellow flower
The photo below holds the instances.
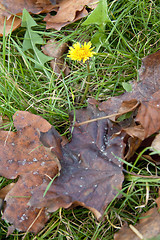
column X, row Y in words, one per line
column 81, row 52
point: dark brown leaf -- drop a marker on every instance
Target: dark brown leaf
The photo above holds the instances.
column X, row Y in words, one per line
column 91, row 174
column 8, row 10
column 91, row 169
column 146, row 91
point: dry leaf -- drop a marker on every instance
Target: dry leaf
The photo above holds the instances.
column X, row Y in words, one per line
column 17, row 212
column 147, row 227
column 149, row 114
column 11, row 24
column 56, row 50
column 9, row 10
column 23, row 154
column 146, row 92
column 67, row 12
column 5, row 190
column 51, row 22
column 156, row 143
column 91, row 174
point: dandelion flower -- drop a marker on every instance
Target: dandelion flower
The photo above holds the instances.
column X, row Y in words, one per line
column 81, row 52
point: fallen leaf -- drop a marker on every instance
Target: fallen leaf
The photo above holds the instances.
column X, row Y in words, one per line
column 11, row 24
column 9, row 10
column 21, row 151
column 147, row 227
column 22, row 154
column 58, row 25
column 91, row 174
column 17, row 212
column 156, row 143
column 149, row 114
column 9, row 7
column 67, row 12
column 5, row 190
column 56, row 50
column 146, row 92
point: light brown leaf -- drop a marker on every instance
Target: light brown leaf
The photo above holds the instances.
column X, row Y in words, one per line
column 148, row 227
column 8, row 10
column 56, row 50
column 51, row 23
column 156, row 143
column 67, row 12
column 149, row 114
column 5, row 190
column 11, row 24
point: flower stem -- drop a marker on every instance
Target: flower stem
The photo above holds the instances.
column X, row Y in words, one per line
column 87, row 84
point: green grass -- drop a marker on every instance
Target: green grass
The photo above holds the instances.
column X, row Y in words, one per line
column 133, row 33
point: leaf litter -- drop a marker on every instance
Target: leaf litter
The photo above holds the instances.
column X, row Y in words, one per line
column 89, row 169
column 67, row 11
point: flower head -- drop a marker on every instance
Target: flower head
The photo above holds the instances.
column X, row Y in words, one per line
column 81, row 52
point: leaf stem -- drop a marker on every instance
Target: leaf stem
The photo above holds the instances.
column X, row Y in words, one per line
column 106, row 117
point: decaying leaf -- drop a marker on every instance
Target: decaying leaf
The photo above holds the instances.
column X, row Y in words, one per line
column 21, row 151
column 50, row 23
column 147, row 227
column 5, row 190
column 56, row 50
column 17, row 212
column 91, row 174
column 68, row 11
column 9, row 24
column 22, row 154
column 9, row 12
column 156, row 143
column 146, row 92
